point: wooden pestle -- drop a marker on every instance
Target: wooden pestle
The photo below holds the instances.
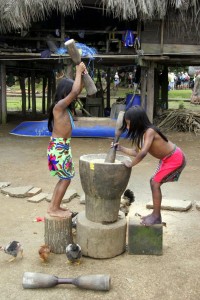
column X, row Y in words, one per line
column 100, row 282
column 110, row 158
column 76, row 57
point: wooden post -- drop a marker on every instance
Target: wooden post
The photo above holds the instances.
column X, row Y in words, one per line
column 100, row 83
column 23, row 90
column 53, row 85
column 3, row 102
column 62, row 30
column 150, row 92
column 49, row 90
column 69, row 71
column 164, row 88
column 108, row 87
column 33, row 93
column 143, row 87
column 29, row 93
column 44, row 84
column 57, row 233
column 162, row 37
column 156, row 92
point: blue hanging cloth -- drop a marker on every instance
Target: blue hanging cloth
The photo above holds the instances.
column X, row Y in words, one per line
column 128, row 38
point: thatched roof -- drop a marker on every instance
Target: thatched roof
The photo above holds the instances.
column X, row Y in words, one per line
column 15, row 14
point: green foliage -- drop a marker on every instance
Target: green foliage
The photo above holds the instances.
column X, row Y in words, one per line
column 187, row 105
column 180, row 94
column 181, row 105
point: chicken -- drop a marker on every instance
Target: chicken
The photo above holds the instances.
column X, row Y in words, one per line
column 13, row 248
column 44, row 252
column 127, row 199
column 74, row 222
column 74, row 254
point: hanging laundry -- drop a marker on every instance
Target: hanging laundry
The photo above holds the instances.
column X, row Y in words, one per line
column 128, row 38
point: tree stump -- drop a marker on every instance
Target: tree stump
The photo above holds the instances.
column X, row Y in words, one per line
column 57, row 233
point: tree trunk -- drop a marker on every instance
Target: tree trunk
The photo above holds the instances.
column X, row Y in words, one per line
column 57, row 233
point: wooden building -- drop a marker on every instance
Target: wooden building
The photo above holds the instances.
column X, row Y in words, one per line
column 165, row 33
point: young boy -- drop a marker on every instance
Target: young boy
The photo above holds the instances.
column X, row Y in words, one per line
column 149, row 139
column 60, row 123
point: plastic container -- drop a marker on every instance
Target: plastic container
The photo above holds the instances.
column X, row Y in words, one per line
column 132, row 100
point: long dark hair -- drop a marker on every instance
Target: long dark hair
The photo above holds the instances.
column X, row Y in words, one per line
column 64, row 87
column 139, row 123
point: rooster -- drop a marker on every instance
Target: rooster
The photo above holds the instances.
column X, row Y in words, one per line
column 127, row 199
column 13, row 248
column 44, row 252
column 74, row 254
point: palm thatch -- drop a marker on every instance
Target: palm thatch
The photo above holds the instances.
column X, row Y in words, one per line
column 15, row 14
column 148, row 9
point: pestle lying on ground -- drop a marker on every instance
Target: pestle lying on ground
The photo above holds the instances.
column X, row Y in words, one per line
column 98, row 282
column 76, row 57
column 110, row 158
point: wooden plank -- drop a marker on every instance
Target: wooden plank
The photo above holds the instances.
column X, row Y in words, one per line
column 150, row 48
column 150, row 92
column 161, row 36
column 3, row 102
column 180, row 49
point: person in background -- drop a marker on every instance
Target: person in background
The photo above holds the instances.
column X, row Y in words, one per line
column 178, row 81
column 195, row 98
column 116, row 81
column 186, row 80
column 171, row 79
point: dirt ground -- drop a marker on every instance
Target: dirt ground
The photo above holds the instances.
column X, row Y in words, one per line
column 174, row 275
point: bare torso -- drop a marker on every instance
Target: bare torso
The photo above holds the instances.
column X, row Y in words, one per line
column 159, row 147
column 62, row 125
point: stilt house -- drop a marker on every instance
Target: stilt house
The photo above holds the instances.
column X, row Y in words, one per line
column 165, row 33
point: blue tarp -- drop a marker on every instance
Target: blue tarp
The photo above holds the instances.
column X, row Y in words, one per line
column 39, row 129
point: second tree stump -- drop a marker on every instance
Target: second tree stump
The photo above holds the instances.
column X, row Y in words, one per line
column 57, row 233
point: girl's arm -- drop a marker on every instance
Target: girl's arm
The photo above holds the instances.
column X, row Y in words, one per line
column 148, row 140
column 76, row 89
column 128, row 151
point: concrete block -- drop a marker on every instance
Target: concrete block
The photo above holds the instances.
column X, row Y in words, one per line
column 34, row 191
column 37, row 198
column 173, row 204
column 18, row 192
column 4, row 184
column 144, row 239
column 198, row 206
column 69, row 195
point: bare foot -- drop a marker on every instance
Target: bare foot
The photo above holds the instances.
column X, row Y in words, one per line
column 151, row 220
column 60, row 213
column 64, row 208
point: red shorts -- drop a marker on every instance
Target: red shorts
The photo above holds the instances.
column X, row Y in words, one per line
column 170, row 167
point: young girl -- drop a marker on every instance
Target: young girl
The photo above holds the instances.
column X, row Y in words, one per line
column 148, row 139
column 60, row 123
